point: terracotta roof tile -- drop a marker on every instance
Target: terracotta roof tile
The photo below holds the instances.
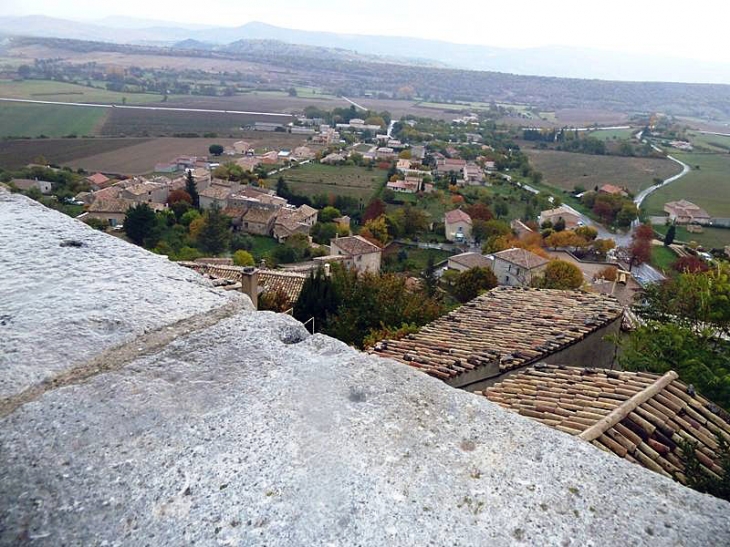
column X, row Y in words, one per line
column 645, row 416
column 511, row 326
column 355, row 245
column 471, row 260
column 457, row 215
column 290, row 283
column 522, row 258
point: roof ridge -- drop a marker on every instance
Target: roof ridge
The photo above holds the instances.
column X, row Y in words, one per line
column 625, row 408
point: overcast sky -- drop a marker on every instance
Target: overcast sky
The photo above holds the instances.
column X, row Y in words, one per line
column 696, row 29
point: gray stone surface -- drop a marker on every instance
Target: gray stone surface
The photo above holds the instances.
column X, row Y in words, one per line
column 251, row 432
column 63, row 304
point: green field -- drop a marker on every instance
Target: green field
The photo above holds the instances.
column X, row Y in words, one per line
column 611, row 134
column 45, row 90
column 347, row 180
column 711, row 238
column 566, row 170
column 708, row 186
column 713, row 143
column 662, row 258
column 34, row 120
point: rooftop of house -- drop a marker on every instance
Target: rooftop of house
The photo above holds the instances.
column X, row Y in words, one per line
column 512, row 326
column 641, row 417
column 686, row 207
column 558, row 211
column 163, row 411
column 110, row 205
column 262, row 215
column 471, row 260
column 457, row 215
column 612, row 189
column 216, row 191
column 290, row 283
column 522, row 258
column 98, row 178
column 142, row 188
column 355, row 245
column 27, row 184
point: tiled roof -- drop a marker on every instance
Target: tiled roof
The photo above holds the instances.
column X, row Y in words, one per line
column 290, row 283
column 98, row 178
column 457, row 215
column 511, row 326
column 612, row 189
column 355, row 245
column 558, row 211
column 523, row 258
column 471, row 260
column 641, row 417
column 216, row 192
column 260, row 215
column 110, row 205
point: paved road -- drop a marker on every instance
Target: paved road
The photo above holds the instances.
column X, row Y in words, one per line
column 641, row 196
column 287, row 167
column 353, row 103
column 159, row 108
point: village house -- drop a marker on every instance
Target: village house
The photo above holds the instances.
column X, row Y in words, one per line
column 457, row 226
column 686, row 212
column 214, row 194
column 552, row 216
column 248, row 163
column 466, row 261
column 639, row 416
column 385, row 153
column 99, row 181
column 44, row 186
column 291, row 221
column 410, row 185
column 242, row 147
column 326, row 136
column 269, row 158
column 473, row 174
column 612, row 190
column 517, row 267
column 112, row 210
column 147, row 191
column 259, row 220
column 303, row 153
column 360, row 253
column 447, row 166
column 509, row 328
column 403, row 165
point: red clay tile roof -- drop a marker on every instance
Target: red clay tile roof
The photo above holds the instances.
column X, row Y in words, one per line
column 513, row 326
column 98, row 178
column 523, row 258
column 579, row 401
column 355, row 245
column 457, row 215
column 260, row 216
column 216, row 192
column 290, row 283
column 110, row 205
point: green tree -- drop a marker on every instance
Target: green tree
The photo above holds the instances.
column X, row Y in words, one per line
column 471, row 283
column 430, row 281
column 671, row 234
column 214, row 236
column 323, row 232
column 216, row 149
column 243, row 258
column 139, row 223
column 318, row 300
column 192, row 189
column 328, row 214
column 560, row 274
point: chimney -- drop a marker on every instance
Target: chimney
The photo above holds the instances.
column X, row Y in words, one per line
column 250, row 284
column 327, row 269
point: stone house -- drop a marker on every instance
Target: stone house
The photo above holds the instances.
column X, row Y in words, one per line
column 457, row 226
column 361, row 254
column 686, row 212
column 517, row 267
column 466, row 261
column 571, row 219
column 259, row 220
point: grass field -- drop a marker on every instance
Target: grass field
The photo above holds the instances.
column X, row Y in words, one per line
column 262, row 246
column 611, row 134
column 34, row 120
column 708, row 186
column 711, row 238
column 565, row 170
column 662, row 258
column 45, row 90
column 314, row 178
column 713, row 143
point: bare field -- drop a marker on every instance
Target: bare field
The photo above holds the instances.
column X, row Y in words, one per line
column 584, row 117
column 141, row 158
column 566, row 170
column 123, row 122
column 18, row 153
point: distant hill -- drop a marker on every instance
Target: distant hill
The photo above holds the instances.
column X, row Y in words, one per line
column 557, row 61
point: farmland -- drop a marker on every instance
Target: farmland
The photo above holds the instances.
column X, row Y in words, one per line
column 354, row 181
column 34, row 120
column 17, row 153
column 710, row 238
column 566, row 170
column 44, row 90
column 708, row 186
column 612, row 134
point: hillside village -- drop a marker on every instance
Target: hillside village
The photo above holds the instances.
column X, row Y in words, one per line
column 514, row 296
